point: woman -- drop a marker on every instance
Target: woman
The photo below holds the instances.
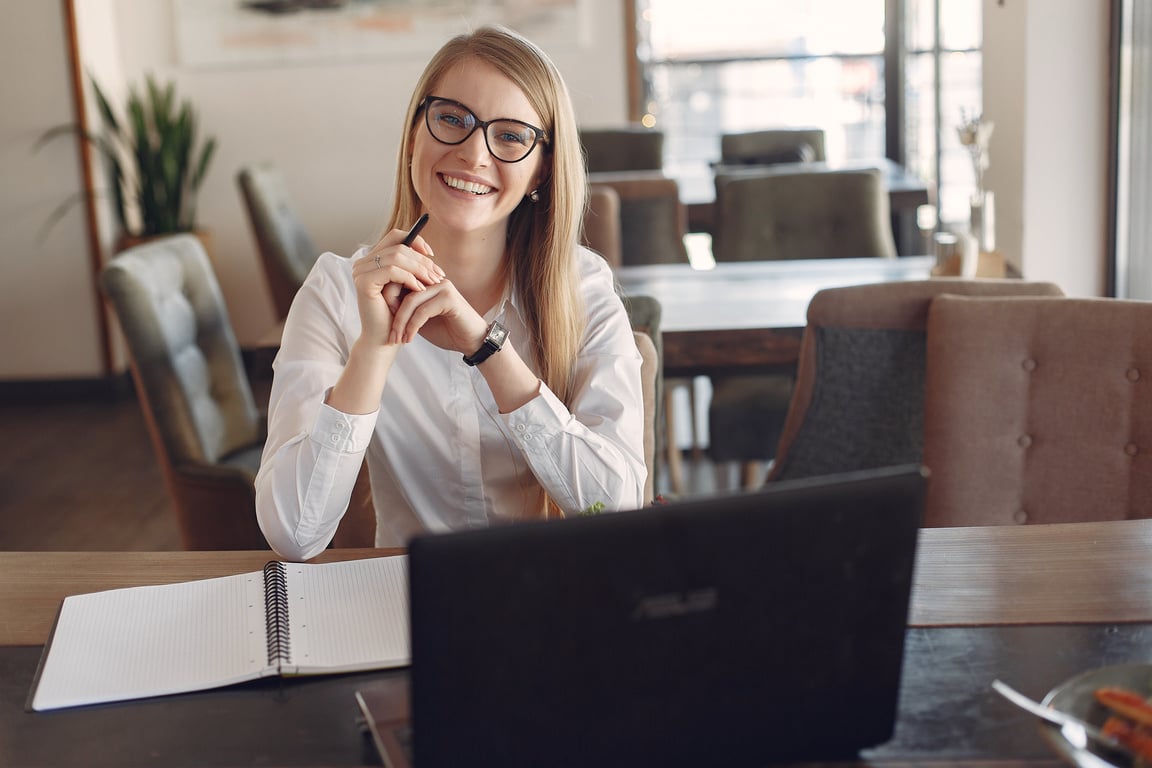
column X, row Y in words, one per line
column 543, row 415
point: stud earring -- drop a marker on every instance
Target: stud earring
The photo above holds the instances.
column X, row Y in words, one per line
column 534, row 196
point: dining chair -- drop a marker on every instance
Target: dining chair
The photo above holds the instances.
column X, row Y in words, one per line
column 202, row 418
column 652, row 225
column 859, row 396
column 601, row 225
column 1037, row 410
column 771, row 146
column 785, row 215
column 653, row 220
column 629, row 148
column 286, row 250
column 649, row 374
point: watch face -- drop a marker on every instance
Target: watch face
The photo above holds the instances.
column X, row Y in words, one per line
column 497, row 334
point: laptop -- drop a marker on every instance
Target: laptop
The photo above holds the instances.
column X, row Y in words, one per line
column 734, row 630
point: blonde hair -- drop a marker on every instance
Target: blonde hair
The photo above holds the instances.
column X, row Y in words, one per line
column 542, row 235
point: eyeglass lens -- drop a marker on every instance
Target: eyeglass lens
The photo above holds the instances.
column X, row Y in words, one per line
column 452, row 123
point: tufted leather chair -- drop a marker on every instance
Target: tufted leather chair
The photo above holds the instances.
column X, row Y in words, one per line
column 1037, row 410
column 632, row 148
column 859, row 397
column 201, row 416
column 286, row 250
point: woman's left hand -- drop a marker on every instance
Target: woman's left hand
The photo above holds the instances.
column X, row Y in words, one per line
column 439, row 313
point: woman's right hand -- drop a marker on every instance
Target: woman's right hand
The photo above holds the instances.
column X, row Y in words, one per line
column 387, row 271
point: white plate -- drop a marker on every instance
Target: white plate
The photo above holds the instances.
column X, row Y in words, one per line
column 1076, row 697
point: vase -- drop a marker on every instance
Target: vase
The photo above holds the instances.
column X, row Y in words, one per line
column 982, row 221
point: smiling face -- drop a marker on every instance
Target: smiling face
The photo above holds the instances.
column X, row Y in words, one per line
column 463, row 186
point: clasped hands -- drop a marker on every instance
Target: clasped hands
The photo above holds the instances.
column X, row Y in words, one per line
column 401, row 291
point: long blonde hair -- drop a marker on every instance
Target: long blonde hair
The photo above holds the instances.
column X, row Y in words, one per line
column 542, row 235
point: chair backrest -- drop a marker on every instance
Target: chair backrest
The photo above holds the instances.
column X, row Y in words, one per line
column 649, row 369
column 632, row 148
column 644, row 314
column 601, row 231
column 765, row 214
column 653, row 220
column 1037, row 410
column 858, row 402
column 286, row 250
column 205, row 427
column 771, row 146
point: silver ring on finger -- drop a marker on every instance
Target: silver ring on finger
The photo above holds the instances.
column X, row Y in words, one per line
column 377, row 261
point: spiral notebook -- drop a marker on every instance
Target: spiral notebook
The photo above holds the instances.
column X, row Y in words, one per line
column 289, row 619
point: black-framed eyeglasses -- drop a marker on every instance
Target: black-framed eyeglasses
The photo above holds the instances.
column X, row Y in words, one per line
column 508, row 140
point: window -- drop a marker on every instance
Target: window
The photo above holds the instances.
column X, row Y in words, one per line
column 813, row 63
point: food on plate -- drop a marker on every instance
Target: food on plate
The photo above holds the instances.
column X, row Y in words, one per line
column 1131, row 720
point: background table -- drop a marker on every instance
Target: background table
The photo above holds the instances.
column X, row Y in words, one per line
column 745, row 317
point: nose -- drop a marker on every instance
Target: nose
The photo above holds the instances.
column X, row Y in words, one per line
column 474, row 149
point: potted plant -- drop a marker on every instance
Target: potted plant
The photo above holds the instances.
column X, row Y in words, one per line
column 154, row 160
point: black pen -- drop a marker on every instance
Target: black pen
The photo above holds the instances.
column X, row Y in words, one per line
column 412, row 233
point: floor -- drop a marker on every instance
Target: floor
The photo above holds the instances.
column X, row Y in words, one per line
column 82, row 476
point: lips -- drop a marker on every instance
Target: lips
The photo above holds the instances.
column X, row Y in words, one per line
column 463, row 185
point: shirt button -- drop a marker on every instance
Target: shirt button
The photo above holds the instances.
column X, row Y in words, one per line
column 1133, row 374
column 1029, row 364
column 519, row 427
column 1131, row 449
column 334, row 439
column 1024, row 441
column 1020, row 516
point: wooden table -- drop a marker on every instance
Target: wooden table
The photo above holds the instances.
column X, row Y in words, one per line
column 986, row 601
column 745, row 317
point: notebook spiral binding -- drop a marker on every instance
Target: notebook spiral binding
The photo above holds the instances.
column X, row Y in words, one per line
column 276, row 612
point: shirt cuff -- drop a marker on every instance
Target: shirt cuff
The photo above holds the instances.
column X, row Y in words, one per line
column 343, row 432
column 542, row 417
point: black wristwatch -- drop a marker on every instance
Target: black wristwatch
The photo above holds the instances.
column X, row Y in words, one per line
column 494, row 339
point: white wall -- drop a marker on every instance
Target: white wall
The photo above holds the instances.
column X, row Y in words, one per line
column 48, row 307
column 1046, row 88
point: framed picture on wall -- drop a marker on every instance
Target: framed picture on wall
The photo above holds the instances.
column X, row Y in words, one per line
column 238, row 32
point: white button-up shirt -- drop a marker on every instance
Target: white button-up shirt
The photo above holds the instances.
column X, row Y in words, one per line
column 440, row 454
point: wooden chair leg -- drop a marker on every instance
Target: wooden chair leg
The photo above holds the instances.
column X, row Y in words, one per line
column 750, row 475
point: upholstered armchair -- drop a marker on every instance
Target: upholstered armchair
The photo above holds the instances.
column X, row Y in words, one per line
column 860, row 381
column 1037, row 410
column 203, row 421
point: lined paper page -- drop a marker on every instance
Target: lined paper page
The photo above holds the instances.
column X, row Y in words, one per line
column 149, row 641
column 349, row 616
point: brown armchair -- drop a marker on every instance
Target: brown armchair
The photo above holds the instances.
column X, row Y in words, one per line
column 1037, row 410
column 286, row 250
column 859, row 397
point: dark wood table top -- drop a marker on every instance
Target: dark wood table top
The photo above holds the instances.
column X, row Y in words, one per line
column 748, row 316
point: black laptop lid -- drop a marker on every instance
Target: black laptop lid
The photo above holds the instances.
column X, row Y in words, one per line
column 737, row 630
